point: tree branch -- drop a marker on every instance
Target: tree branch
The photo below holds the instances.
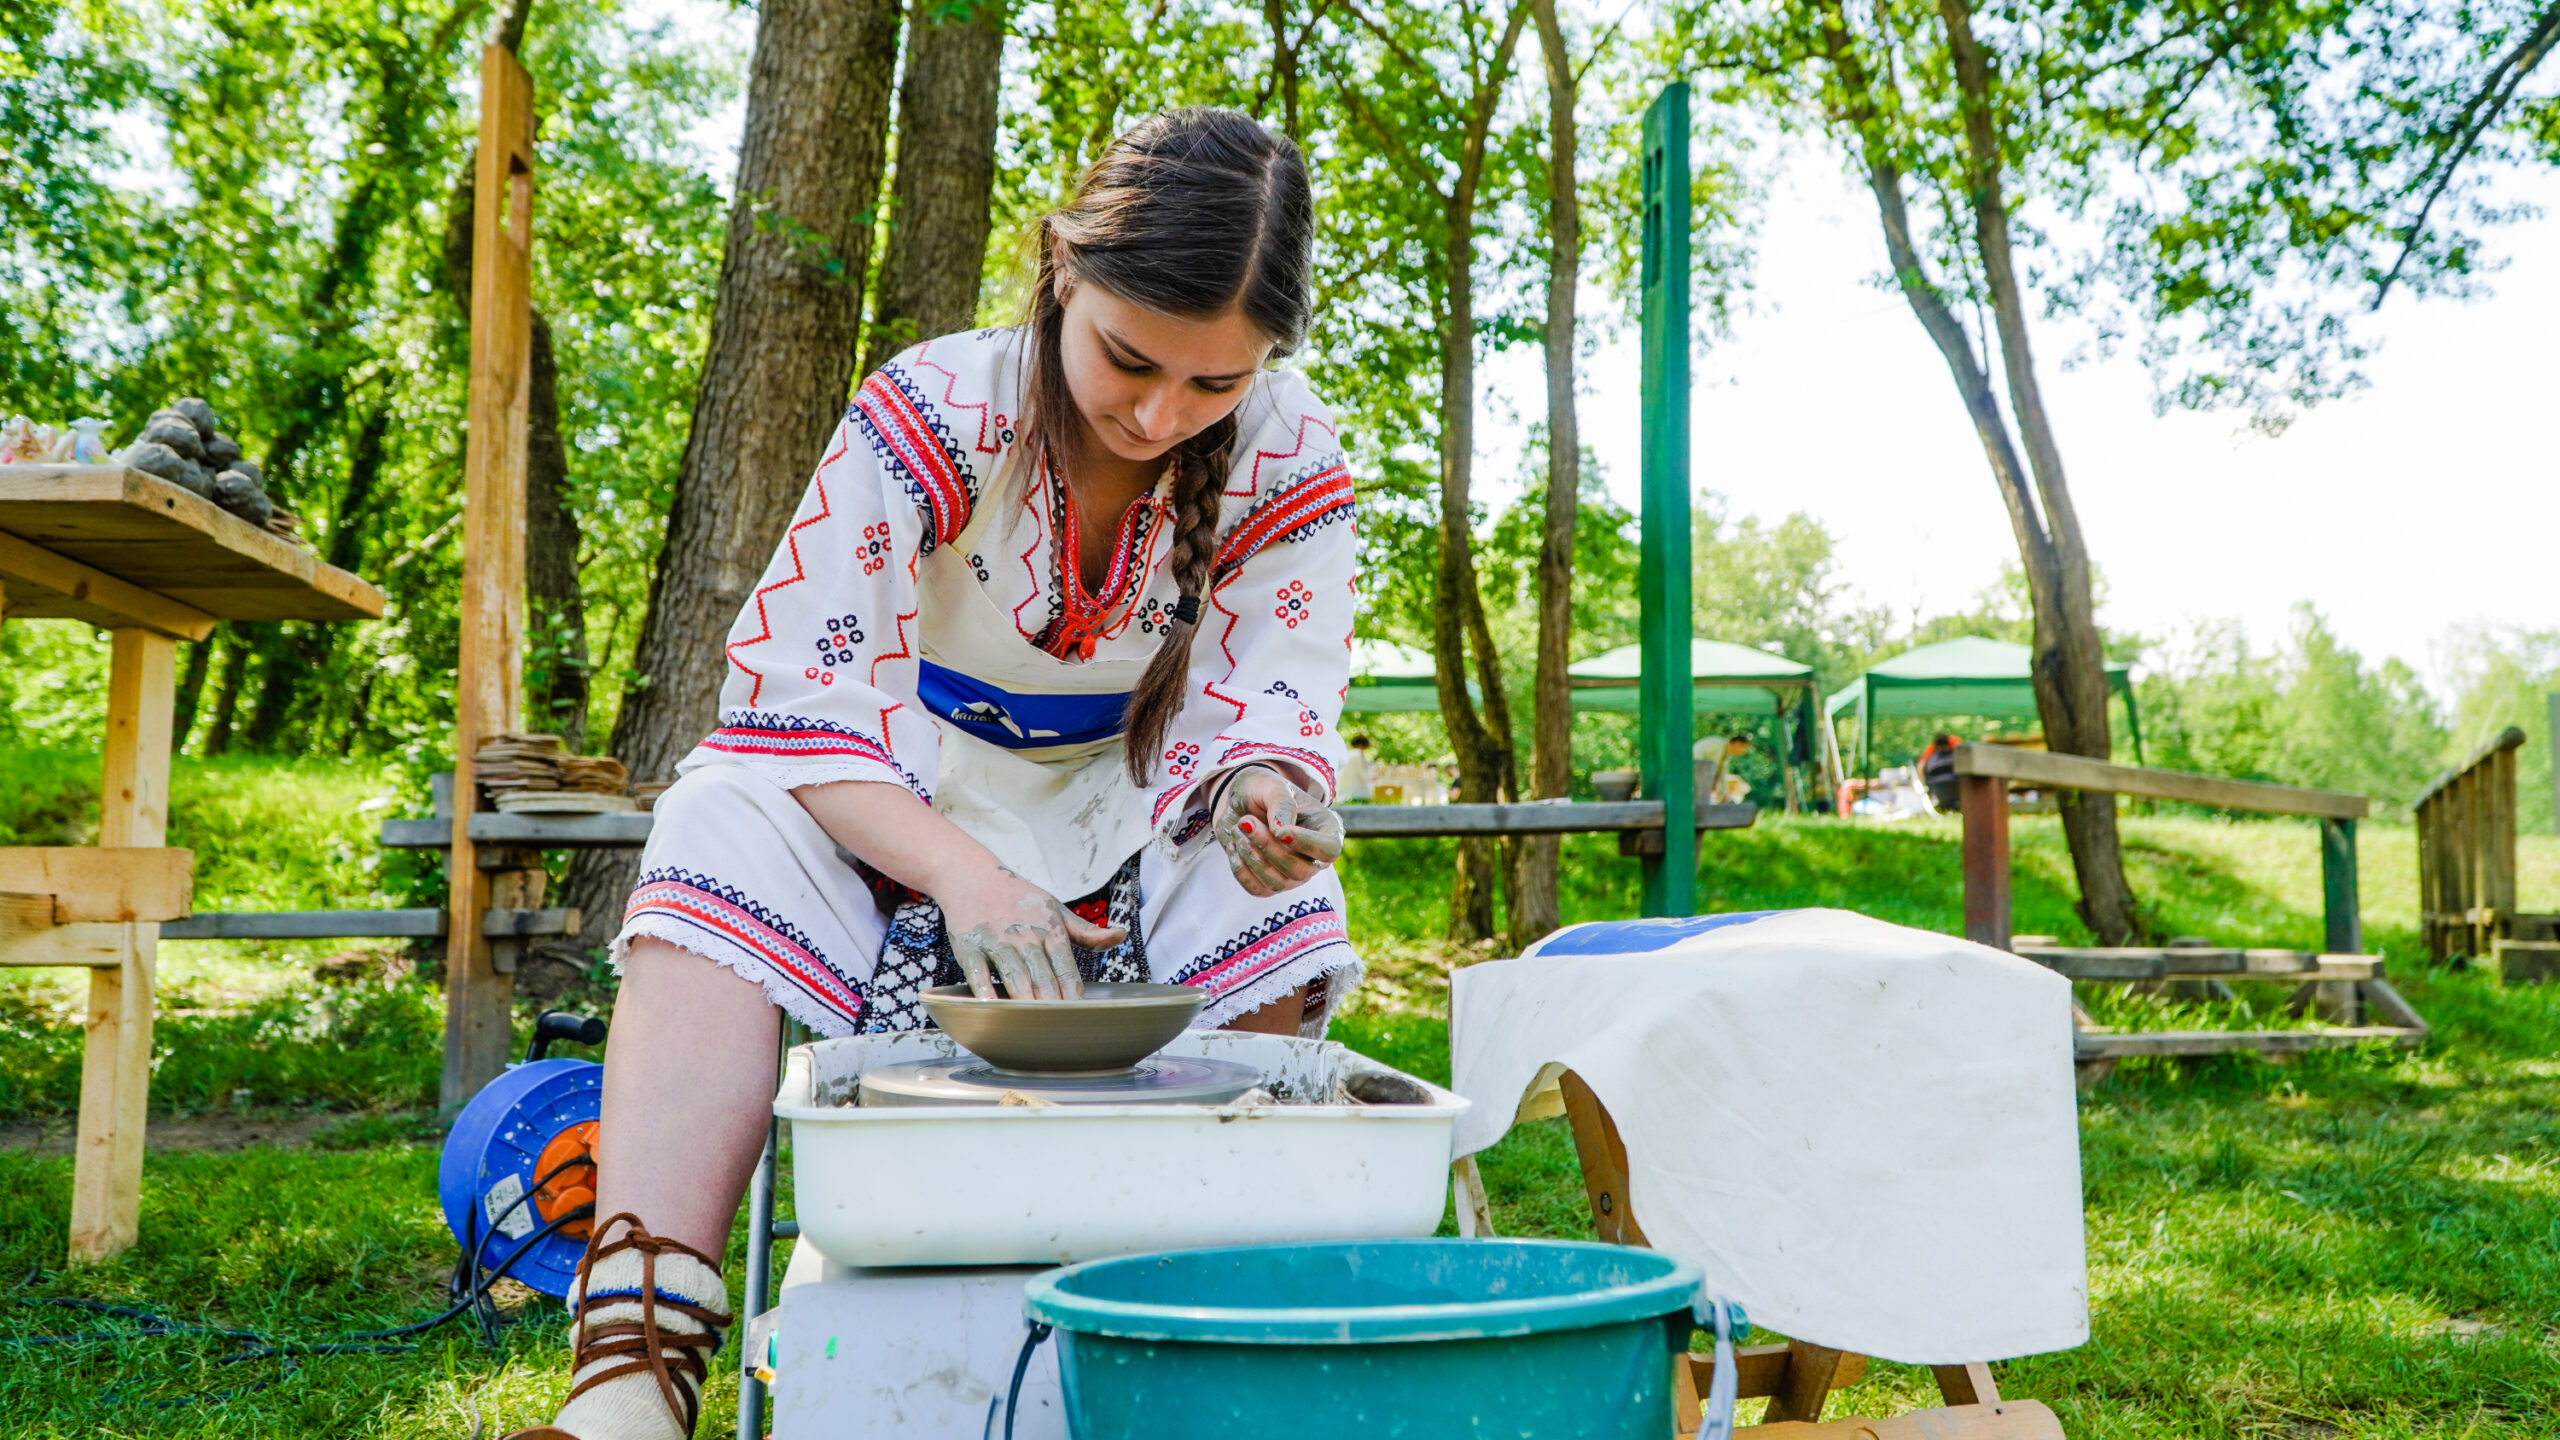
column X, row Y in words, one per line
column 2495, row 91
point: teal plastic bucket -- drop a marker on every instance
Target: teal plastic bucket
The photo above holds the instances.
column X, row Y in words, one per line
column 1413, row 1339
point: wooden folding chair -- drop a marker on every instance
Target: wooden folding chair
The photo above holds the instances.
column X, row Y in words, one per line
column 1797, row 1377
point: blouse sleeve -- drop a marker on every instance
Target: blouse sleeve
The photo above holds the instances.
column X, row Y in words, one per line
column 821, row 681
column 1272, row 657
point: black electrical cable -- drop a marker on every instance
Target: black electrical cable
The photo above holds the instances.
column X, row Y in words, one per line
column 361, row 1342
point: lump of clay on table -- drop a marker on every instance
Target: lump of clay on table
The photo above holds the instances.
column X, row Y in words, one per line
column 250, row 469
column 221, row 453
column 152, row 458
column 173, row 430
column 1368, row 1087
column 198, row 414
column 241, row 495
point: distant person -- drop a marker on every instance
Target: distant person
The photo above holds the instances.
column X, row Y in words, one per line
column 1937, row 770
column 1717, row 784
column 1354, row 782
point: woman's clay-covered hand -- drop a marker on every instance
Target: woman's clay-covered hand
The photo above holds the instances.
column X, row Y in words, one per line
column 1276, row 835
column 1004, row 928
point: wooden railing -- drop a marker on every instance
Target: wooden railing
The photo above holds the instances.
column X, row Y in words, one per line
column 2467, row 852
column 1986, row 772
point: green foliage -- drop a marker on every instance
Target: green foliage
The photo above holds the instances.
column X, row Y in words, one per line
column 2311, row 713
column 2507, row 678
column 263, row 224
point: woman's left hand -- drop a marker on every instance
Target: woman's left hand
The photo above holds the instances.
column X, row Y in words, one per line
column 1276, row 835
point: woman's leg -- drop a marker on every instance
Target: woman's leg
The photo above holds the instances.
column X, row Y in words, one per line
column 688, row 1091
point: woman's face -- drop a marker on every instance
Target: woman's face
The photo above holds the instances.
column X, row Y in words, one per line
column 1146, row 382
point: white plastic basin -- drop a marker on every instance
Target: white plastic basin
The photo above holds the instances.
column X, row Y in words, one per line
column 994, row 1185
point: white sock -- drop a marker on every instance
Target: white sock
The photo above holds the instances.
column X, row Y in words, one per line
column 632, row 1405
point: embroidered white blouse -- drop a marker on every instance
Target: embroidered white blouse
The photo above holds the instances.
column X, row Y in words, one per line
column 922, row 623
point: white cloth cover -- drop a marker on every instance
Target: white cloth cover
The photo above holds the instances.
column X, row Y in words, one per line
column 1866, row 1134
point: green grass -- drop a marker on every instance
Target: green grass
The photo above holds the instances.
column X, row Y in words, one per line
column 2361, row 1244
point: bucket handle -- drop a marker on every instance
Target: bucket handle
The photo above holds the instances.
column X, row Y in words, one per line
column 1723, row 1316
column 1033, row 1333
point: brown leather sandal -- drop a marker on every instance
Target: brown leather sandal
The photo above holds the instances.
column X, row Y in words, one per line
column 641, row 1344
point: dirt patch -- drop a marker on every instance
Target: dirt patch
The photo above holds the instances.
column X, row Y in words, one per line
column 219, row 1134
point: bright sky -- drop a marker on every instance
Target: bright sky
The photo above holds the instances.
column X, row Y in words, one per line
column 2428, row 501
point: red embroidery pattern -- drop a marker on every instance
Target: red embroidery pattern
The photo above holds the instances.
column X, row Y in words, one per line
column 906, row 438
column 1321, row 497
column 1081, row 620
column 799, row 572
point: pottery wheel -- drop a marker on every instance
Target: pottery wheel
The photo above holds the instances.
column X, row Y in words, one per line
column 968, row 1080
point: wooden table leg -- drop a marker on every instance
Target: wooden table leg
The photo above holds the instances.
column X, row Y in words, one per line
column 1986, row 859
column 1966, row 1384
column 115, row 1064
column 1812, row 1371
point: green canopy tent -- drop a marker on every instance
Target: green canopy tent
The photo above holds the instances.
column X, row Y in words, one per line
column 1965, row 676
column 1609, row 682
column 1388, row 678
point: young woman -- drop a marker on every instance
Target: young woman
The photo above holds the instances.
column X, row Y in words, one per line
column 1040, row 688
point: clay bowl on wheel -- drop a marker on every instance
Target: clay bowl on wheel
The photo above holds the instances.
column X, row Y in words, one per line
column 1112, row 1028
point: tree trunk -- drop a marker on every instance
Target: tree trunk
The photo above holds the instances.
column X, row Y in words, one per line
column 946, row 177
column 1535, row 909
column 556, row 690
column 784, row 334
column 2069, row 667
column 226, row 704
column 191, row 692
column 1482, row 743
column 297, row 655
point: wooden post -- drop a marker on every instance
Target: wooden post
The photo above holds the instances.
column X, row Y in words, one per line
column 1986, row 859
column 2341, row 910
column 115, row 1063
column 1664, row 701
column 489, row 680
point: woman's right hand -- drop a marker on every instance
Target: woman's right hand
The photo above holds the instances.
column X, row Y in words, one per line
column 1004, row 928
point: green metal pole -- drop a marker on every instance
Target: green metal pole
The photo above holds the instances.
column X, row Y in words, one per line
column 1664, row 723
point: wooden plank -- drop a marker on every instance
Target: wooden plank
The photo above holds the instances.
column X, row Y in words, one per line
column 630, row 831
column 152, row 534
column 2008, row 1420
column 43, row 585
column 1762, row 1370
column 2047, row 770
column 479, row 986
column 364, row 925
column 28, row 937
column 2527, row 962
column 2233, row 1042
column 1386, row 821
column 90, row 882
column 2341, row 905
column 1986, row 860
column 2501, row 743
column 115, row 1062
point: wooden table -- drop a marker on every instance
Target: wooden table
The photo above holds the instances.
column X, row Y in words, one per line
column 153, row 564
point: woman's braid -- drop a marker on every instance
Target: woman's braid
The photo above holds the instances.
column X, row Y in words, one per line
column 1198, row 482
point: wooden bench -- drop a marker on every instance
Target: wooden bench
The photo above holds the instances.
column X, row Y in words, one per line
column 154, row 564
column 1796, row 1378
column 2340, row 983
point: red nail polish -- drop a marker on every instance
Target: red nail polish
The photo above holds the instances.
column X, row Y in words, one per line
column 1245, row 825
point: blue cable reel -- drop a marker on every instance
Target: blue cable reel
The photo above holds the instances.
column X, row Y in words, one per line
column 520, row 1156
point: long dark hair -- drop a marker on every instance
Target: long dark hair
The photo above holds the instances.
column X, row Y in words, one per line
column 1191, row 213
